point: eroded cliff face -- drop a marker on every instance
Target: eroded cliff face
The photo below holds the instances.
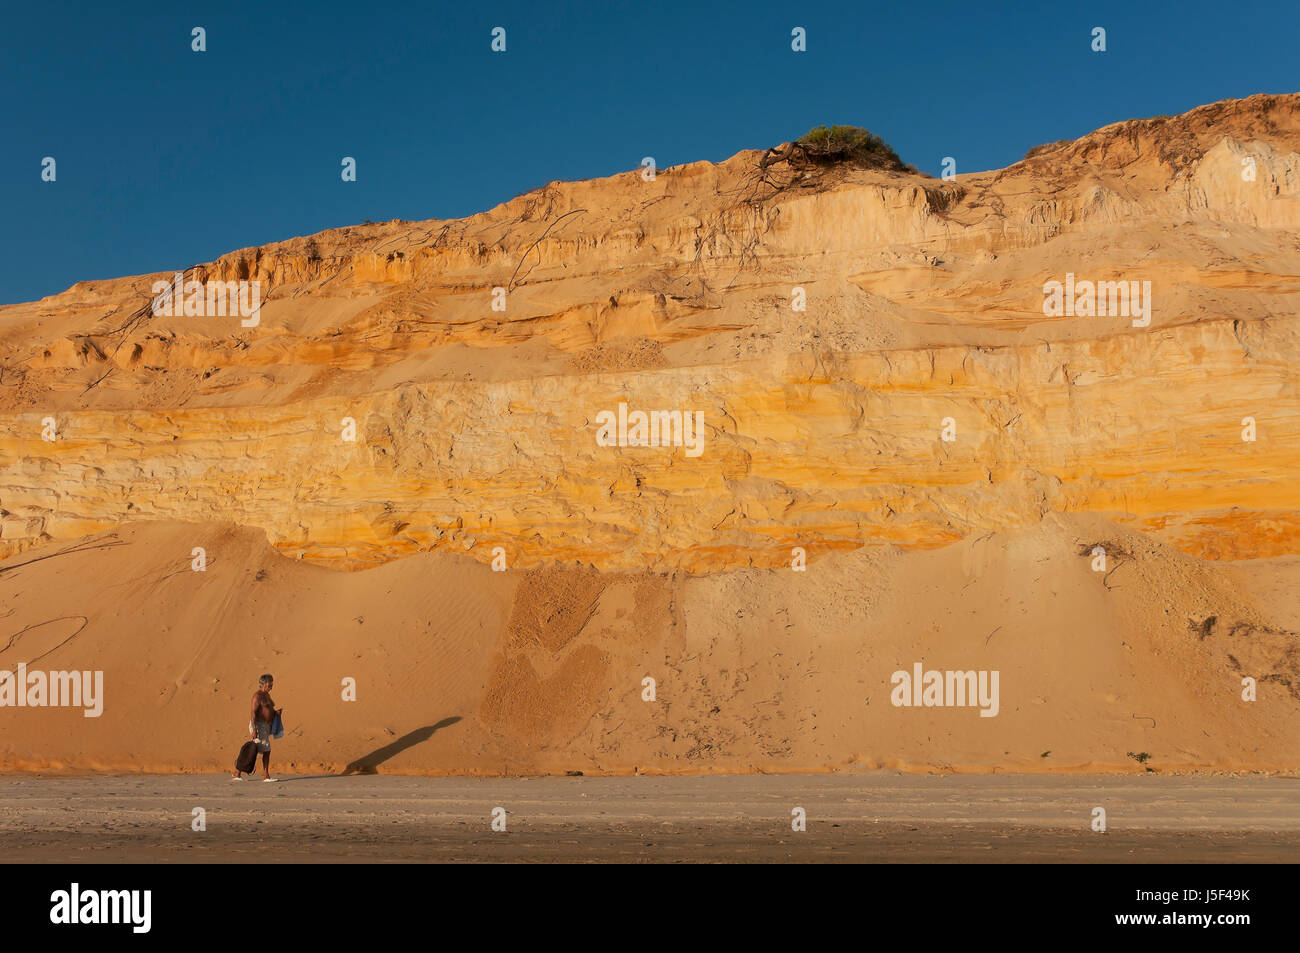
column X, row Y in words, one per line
column 949, row 457
column 823, row 428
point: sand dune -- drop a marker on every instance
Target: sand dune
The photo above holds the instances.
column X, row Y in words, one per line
column 460, row 669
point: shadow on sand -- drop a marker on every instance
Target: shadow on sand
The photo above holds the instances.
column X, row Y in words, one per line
column 369, row 763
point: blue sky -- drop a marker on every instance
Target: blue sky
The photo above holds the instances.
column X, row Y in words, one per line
column 167, row 157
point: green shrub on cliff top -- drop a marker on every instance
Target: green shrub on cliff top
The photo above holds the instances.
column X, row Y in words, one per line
column 826, row 145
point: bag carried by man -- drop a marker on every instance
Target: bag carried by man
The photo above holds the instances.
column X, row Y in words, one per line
column 247, row 760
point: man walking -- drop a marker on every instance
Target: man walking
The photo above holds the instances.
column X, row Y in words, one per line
column 259, row 724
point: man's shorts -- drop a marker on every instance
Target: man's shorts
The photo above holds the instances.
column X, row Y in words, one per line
column 263, row 729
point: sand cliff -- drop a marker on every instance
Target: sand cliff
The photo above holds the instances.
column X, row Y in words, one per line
column 476, row 433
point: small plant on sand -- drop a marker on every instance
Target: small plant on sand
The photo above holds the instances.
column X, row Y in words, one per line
column 1142, row 757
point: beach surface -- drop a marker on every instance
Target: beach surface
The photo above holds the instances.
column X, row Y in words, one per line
column 877, row 817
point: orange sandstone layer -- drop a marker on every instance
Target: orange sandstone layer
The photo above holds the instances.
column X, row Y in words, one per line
column 827, row 454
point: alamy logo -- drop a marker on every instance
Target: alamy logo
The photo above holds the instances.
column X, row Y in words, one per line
column 1100, row 299
column 24, row 689
column 199, row 299
column 935, row 689
column 658, row 428
column 103, row 906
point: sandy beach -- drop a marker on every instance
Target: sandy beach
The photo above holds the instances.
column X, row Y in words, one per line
column 879, row 817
